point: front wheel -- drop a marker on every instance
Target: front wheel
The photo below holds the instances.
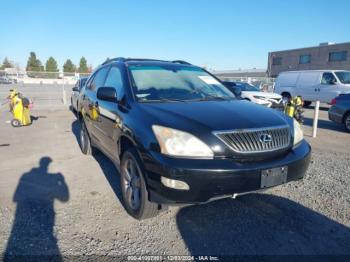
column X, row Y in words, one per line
column 134, row 190
column 286, row 97
column 347, row 122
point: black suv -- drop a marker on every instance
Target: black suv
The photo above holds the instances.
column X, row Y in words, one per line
column 177, row 135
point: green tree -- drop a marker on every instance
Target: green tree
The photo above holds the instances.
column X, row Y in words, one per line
column 6, row 64
column 83, row 68
column 69, row 67
column 34, row 64
column 51, row 65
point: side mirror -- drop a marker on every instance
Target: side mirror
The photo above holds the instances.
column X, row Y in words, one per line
column 333, row 81
column 75, row 89
column 107, row 94
column 237, row 91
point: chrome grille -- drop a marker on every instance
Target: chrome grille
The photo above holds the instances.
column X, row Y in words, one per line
column 256, row 140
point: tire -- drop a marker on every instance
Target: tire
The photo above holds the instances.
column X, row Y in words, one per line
column 286, row 97
column 84, row 139
column 72, row 107
column 134, row 189
column 347, row 121
column 307, row 103
column 15, row 123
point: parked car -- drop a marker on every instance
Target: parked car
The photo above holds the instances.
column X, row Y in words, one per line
column 76, row 91
column 313, row 85
column 253, row 93
column 177, row 135
column 340, row 110
column 5, row 80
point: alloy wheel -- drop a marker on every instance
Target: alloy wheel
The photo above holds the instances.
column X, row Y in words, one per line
column 347, row 122
column 132, row 184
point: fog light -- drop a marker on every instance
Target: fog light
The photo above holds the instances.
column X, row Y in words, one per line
column 176, row 184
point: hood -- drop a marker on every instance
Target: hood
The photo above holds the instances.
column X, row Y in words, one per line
column 213, row 115
column 264, row 94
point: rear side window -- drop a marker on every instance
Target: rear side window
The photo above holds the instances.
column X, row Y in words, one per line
column 114, row 79
column 328, row 79
column 99, row 79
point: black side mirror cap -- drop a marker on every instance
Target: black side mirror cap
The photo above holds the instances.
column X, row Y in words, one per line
column 107, row 94
column 75, row 89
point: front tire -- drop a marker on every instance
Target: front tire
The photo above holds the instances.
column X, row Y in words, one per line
column 134, row 189
column 286, row 97
column 85, row 141
column 347, row 122
column 307, row 103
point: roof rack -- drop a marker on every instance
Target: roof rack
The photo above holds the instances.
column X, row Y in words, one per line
column 181, row 62
column 113, row 60
column 122, row 59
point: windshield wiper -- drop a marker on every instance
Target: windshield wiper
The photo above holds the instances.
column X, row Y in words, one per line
column 163, row 100
column 211, row 97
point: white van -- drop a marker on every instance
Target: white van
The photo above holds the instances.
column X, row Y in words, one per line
column 313, row 85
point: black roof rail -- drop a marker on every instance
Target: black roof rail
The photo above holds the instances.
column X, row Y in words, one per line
column 113, row 60
column 181, row 62
column 144, row 59
column 122, row 59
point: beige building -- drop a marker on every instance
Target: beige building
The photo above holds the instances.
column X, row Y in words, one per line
column 325, row 56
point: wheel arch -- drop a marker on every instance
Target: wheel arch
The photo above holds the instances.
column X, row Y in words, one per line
column 345, row 115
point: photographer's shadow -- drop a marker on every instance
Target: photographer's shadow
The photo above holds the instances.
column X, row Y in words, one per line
column 32, row 231
column 260, row 224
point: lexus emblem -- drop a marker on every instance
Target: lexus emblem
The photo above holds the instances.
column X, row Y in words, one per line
column 265, row 138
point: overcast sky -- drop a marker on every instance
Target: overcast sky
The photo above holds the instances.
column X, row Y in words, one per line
column 222, row 34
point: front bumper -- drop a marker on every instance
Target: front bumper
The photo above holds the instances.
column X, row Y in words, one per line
column 215, row 178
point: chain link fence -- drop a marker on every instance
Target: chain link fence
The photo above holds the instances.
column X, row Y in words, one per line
column 263, row 83
column 45, row 89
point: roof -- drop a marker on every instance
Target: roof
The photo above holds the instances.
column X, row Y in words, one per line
column 318, row 70
column 310, row 47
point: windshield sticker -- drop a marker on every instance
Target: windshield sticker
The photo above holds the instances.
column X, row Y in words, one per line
column 209, row 80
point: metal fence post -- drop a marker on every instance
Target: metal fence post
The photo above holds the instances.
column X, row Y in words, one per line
column 64, row 93
column 314, row 126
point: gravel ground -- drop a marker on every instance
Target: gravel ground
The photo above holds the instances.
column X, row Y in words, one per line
column 54, row 200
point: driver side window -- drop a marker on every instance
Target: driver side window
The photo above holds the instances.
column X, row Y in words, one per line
column 328, row 79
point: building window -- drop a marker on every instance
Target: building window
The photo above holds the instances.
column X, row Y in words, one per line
column 338, row 56
column 304, row 59
column 277, row 61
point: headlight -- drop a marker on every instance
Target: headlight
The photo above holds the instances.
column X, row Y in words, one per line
column 298, row 133
column 260, row 97
column 178, row 143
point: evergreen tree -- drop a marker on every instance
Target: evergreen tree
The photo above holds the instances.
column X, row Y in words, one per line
column 6, row 64
column 51, row 65
column 34, row 64
column 83, row 65
column 69, row 67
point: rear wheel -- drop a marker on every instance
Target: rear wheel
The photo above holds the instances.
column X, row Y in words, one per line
column 347, row 121
column 307, row 103
column 134, row 190
column 85, row 142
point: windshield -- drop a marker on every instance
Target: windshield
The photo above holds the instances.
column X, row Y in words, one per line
column 176, row 83
column 247, row 87
column 343, row 76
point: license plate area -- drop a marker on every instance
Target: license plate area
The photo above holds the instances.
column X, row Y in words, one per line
column 273, row 177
